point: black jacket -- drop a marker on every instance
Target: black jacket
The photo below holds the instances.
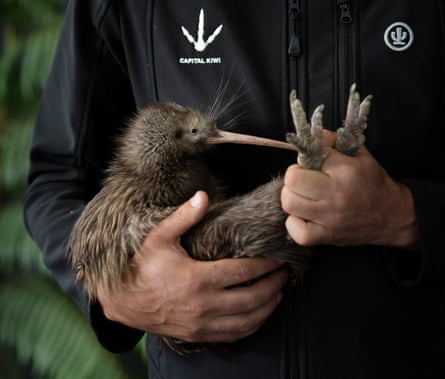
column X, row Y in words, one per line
column 362, row 312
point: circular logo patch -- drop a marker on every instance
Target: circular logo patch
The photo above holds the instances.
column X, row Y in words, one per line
column 399, row 36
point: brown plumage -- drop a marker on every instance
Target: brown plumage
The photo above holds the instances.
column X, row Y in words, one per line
column 158, row 165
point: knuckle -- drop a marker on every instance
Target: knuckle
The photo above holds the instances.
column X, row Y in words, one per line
column 194, row 331
column 254, row 302
column 180, row 215
column 194, row 334
column 193, row 280
column 245, row 271
column 247, row 328
column 290, row 175
column 254, row 267
column 341, row 200
column 197, row 310
column 286, row 200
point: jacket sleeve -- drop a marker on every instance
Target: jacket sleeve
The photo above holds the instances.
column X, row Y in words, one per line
column 412, row 268
column 85, row 101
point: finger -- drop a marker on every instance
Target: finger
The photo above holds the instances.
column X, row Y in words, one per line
column 235, row 271
column 220, row 313
column 309, row 184
column 242, row 310
column 234, row 327
column 305, row 233
column 301, row 207
column 328, row 138
column 248, row 298
column 337, row 162
column 182, row 219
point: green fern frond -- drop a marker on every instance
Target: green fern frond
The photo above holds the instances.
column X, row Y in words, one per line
column 36, row 60
column 25, row 62
column 17, row 250
column 15, row 144
column 38, row 323
column 31, row 14
column 141, row 348
column 8, row 70
column 47, row 330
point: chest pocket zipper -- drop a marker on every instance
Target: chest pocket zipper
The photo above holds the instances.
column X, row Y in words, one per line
column 295, row 48
column 344, row 57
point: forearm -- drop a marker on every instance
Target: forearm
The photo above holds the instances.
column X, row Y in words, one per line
column 70, row 150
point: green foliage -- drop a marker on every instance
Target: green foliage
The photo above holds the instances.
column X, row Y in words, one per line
column 30, row 15
column 17, row 252
column 32, row 76
column 44, row 327
column 14, row 152
column 29, row 39
column 42, row 333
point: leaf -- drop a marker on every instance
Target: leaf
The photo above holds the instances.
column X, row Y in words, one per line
column 46, row 329
column 36, row 60
column 27, row 15
column 8, row 64
column 39, row 326
column 17, row 249
column 15, row 145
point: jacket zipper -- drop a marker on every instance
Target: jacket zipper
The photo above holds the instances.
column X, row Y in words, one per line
column 344, row 57
column 294, row 338
column 294, row 50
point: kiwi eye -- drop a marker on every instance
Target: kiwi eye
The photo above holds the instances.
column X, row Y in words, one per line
column 194, row 131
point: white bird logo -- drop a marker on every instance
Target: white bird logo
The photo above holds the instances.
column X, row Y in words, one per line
column 199, row 43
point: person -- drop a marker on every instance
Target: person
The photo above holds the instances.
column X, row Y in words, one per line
column 371, row 305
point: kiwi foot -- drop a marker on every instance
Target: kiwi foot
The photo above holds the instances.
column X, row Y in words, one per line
column 307, row 138
column 351, row 136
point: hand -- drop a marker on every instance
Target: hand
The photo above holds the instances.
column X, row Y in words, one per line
column 351, row 201
column 172, row 295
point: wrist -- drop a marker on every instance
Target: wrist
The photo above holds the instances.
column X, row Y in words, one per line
column 401, row 227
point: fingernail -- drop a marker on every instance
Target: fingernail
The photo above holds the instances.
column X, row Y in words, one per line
column 196, row 201
column 279, row 297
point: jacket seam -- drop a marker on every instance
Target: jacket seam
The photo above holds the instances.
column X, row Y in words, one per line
column 441, row 8
column 101, row 12
column 150, row 50
column 87, row 105
column 98, row 21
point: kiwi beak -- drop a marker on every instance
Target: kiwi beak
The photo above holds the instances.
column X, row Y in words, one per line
column 246, row 139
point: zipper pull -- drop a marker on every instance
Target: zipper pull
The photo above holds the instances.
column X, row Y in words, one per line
column 294, row 9
column 294, row 46
column 294, row 13
column 345, row 11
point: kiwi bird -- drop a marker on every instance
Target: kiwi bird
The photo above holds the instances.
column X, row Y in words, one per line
column 158, row 165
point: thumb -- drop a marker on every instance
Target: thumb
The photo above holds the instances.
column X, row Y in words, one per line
column 183, row 218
